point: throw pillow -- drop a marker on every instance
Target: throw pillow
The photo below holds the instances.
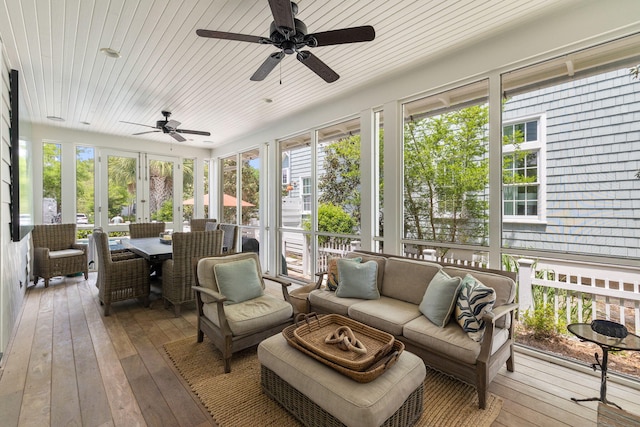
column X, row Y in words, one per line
column 357, row 280
column 238, row 280
column 440, row 298
column 333, row 277
column 474, row 300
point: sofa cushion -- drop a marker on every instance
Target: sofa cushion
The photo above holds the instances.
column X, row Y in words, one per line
column 440, row 298
column 251, row 316
column 450, row 340
column 238, row 281
column 387, row 314
column 357, row 280
column 474, row 300
column 504, row 286
column 380, row 260
column 324, row 301
column 407, row 280
column 333, row 275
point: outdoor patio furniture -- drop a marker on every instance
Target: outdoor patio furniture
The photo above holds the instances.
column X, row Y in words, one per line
column 56, row 252
column 138, row 230
column 178, row 273
column 200, row 224
column 233, row 310
column 119, row 278
column 231, row 233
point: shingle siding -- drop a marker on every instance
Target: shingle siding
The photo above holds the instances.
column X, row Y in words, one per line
column 593, row 154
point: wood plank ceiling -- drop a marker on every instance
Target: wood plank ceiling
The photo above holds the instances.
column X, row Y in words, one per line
column 55, row 44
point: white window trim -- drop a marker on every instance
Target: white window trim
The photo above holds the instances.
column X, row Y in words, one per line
column 541, row 147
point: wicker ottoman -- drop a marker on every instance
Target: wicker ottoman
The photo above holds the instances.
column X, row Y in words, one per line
column 319, row 396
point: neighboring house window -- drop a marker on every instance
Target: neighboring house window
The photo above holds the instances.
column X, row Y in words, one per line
column 523, row 170
column 286, row 169
column 306, row 194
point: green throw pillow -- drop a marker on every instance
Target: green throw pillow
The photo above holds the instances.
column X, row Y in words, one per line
column 440, row 298
column 333, row 277
column 357, row 280
column 238, row 280
column 474, row 300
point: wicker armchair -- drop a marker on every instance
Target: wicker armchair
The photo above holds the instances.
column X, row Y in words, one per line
column 138, row 230
column 235, row 327
column 230, row 242
column 177, row 273
column 56, row 252
column 119, row 278
column 199, row 224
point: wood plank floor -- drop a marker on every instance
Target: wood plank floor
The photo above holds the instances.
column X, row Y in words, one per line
column 68, row 365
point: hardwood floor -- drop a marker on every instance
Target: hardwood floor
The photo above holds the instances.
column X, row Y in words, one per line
column 68, row 365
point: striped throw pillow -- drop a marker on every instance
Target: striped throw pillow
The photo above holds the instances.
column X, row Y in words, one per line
column 474, row 300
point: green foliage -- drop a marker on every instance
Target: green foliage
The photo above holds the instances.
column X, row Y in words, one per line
column 446, row 173
column 250, row 190
column 331, row 219
column 544, row 300
column 541, row 321
column 340, row 184
column 165, row 213
column 52, row 172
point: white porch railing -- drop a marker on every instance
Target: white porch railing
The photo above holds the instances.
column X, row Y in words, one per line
column 612, row 291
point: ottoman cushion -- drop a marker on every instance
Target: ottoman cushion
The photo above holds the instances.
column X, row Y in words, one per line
column 354, row 404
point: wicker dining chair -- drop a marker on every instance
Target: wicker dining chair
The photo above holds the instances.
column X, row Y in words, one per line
column 231, row 233
column 138, row 230
column 177, row 272
column 56, row 252
column 199, row 224
column 119, row 278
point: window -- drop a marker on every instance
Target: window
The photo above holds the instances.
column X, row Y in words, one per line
column 306, row 194
column 522, row 171
column 286, row 169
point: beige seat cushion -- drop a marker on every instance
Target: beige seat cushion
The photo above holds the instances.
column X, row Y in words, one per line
column 387, row 314
column 354, row 404
column 251, row 316
column 450, row 340
column 65, row 253
column 326, row 301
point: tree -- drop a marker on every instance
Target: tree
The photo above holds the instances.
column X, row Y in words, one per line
column 340, row 183
column 52, row 173
column 250, row 190
column 446, row 176
column 332, row 219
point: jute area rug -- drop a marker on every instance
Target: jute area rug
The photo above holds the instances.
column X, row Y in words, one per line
column 236, row 399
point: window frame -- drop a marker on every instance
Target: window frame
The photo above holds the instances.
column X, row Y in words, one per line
column 538, row 146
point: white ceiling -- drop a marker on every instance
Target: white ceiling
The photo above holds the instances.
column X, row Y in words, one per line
column 55, row 44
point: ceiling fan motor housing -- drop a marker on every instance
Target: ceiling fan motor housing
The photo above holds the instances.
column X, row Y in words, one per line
column 294, row 42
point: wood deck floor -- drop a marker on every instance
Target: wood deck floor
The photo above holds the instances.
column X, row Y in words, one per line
column 68, row 365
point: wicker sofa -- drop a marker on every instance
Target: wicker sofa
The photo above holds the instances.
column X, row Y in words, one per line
column 402, row 284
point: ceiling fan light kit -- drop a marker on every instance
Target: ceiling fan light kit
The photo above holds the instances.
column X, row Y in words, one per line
column 290, row 36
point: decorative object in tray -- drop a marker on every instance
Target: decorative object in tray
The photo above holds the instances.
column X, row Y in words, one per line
column 609, row 328
column 350, row 347
column 165, row 237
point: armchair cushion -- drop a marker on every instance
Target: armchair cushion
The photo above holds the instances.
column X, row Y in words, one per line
column 238, row 280
column 251, row 316
column 65, row 253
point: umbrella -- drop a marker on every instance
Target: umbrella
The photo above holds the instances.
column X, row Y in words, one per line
column 227, row 201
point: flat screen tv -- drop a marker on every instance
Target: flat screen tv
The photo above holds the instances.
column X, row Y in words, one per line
column 21, row 166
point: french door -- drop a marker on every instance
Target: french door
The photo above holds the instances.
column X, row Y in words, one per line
column 139, row 187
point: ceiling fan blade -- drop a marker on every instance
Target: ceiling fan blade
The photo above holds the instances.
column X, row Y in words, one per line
column 345, row 35
column 172, row 125
column 282, row 12
column 317, row 66
column 267, row 66
column 177, row 136
column 139, row 124
column 230, row 36
column 148, row 131
column 194, row 132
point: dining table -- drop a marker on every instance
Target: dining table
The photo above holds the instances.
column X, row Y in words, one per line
column 149, row 248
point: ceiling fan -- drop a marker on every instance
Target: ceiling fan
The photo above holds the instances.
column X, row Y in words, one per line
column 170, row 127
column 290, row 35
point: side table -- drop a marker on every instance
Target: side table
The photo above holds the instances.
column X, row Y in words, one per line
column 606, row 343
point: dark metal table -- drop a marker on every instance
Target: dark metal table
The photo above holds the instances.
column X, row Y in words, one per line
column 150, row 248
column 606, row 343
